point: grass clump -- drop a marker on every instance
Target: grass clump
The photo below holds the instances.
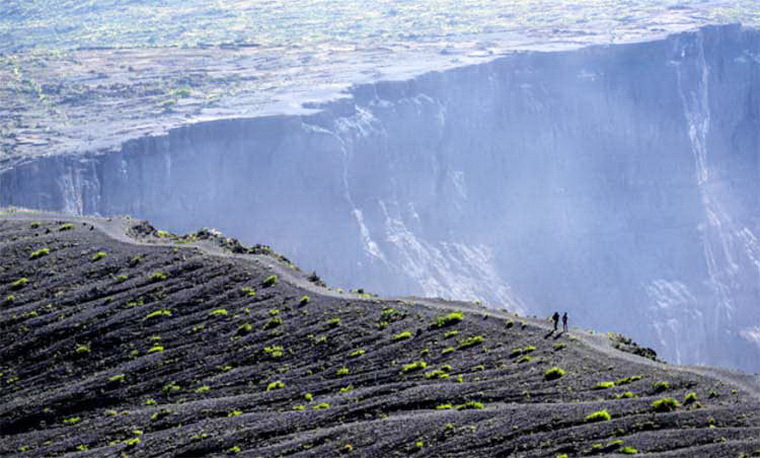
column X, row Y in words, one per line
column 629, row 379
column 403, row 335
column 218, row 313
column 410, row 367
column 158, row 276
column 436, row 373
column 158, row 314
column 98, row 256
column 39, row 253
column 170, row 387
column 322, row 406
column 356, row 353
column 203, row 389
column 304, row 300
column 9, row 299
column 273, row 323
column 661, row 386
column 553, row 373
column 559, row 346
column 156, row 349
column 451, row 334
column 276, row 385
column 599, row 415
column 65, row 227
column 82, row 349
column 624, row 395
column 333, row 322
column 72, row 421
column 629, row 451
column 524, row 359
column 471, row 341
column 244, row 329
column 667, row 404
column 246, row 291
column 470, row 405
column 271, row 281
column 275, row 351
column 448, row 320
column 690, row 398
column 604, row 385
column 116, row 378
column 444, row 407
column 20, row 283
column 343, row 371
column 447, row 350
column 235, row 413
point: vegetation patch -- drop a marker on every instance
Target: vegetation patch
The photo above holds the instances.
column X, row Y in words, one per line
column 271, row 281
column 20, row 283
column 158, row 276
column 667, row 404
column 39, row 253
column 158, row 314
column 604, row 385
column 276, row 385
column 599, row 415
column 98, row 256
column 448, row 320
column 403, row 335
column 471, row 341
column 660, row 386
column 553, row 373
column 218, row 313
column 415, row 366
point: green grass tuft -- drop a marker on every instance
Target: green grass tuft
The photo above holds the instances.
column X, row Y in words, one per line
column 448, row 320
column 599, row 415
column 553, row 373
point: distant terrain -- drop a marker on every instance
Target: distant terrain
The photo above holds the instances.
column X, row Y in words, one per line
column 116, row 337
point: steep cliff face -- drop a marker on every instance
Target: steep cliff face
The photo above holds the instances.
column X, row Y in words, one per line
column 618, row 183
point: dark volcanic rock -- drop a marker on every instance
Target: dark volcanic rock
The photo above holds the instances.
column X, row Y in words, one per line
column 157, row 347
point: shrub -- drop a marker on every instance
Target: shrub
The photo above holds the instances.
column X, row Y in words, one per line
column 604, row 385
column 275, row 351
column 509, row 324
column 524, row 359
column 358, row 352
column 448, row 320
column 450, row 334
column 661, row 386
column 333, row 322
column 116, row 378
column 629, row 379
column 244, row 329
column 553, row 373
column 246, row 291
column 170, row 387
column 135, row 261
column 447, row 350
column 342, row 371
column 218, row 313
column 470, row 405
column 437, row 373
column 273, row 323
column 271, row 281
column 322, row 405
column 402, row 335
column 20, row 283
column 667, row 404
column 308, row 397
column 690, row 398
column 156, row 349
column 98, row 256
column 599, row 415
column 276, row 385
column 158, row 276
column 158, row 313
column 39, row 253
column 304, row 300
column 417, row 365
column 471, row 341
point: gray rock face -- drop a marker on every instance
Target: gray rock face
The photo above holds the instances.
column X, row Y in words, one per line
column 618, row 183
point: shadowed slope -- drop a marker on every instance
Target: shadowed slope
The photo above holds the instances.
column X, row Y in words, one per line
column 112, row 347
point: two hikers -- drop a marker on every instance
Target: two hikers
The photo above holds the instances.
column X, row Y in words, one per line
column 555, row 319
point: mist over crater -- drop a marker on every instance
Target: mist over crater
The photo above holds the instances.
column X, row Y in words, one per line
column 616, row 182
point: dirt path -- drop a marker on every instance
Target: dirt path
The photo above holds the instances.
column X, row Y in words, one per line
column 116, row 228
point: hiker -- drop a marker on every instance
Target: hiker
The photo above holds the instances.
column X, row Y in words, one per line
column 564, row 322
column 555, row 318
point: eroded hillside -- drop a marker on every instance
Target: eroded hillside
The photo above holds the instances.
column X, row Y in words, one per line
column 155, row 345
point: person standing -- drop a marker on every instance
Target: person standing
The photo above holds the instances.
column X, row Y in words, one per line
column 564, row 322
column 555, row 318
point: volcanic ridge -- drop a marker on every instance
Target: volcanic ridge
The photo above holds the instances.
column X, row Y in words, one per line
column 120, row 339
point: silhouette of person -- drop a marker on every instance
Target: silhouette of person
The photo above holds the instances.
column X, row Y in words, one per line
column 555, row 318
column 564, row 322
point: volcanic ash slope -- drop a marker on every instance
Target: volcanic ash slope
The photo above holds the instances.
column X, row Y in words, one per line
column 156, row 345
